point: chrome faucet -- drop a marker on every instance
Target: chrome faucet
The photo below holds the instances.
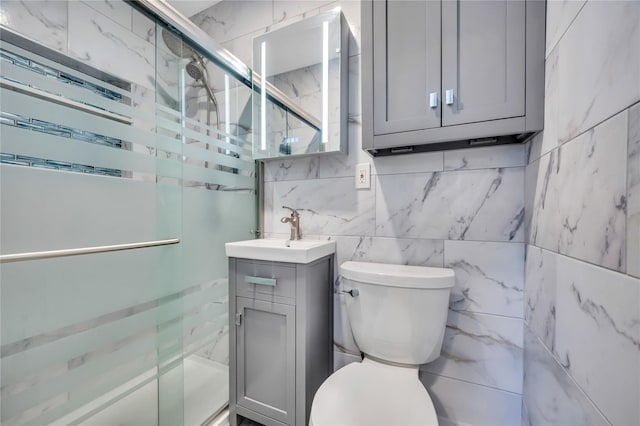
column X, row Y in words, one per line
column 294, row 221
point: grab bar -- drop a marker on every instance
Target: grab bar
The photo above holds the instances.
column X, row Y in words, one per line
column 37, row 255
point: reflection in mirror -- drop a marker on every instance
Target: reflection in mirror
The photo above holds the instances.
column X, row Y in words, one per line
column 303, row 66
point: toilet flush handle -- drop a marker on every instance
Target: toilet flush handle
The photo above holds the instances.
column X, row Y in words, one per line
column 354, row 293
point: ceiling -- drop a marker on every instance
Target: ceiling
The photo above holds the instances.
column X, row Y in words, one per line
column 190, row 7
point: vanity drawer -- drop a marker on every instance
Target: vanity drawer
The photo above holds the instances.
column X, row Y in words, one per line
column 256, row 279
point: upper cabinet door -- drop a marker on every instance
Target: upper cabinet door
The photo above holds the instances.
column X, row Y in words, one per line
column 406, row 65
column 483, row 60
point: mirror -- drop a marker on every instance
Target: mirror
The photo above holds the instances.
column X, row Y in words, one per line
column 303, row 66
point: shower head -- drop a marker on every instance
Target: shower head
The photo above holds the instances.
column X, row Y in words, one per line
column 175, row 45
column 194, row 69
column 198, row 71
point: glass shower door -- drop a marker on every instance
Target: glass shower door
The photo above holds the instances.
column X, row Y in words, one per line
column 118, row 190
column 218, row 206
column 90, row 229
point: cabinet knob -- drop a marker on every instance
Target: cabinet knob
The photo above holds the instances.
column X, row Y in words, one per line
column 448, row 97
column 433, row 100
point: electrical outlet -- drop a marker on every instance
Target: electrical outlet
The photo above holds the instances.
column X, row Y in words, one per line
column 363, row 176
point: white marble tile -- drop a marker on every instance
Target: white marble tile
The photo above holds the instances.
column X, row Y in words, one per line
column 96, row 40
column 228, row 20
column 481, row 349
column 399, row 251
column 291, row 169
column 489, row 277
column 42, row 21
column 560, row 14
column 485, row 157
column 462, row 205
column 552, row 107
column 550, row 395
column 531, row 181
column 598, row 67
column 116, row 10
column 540, row 294
column 285, row 9
column 579, row 197
column 540, row 198
column 326, row 206
column 460, row 402
column 598, row 336
column 633, row 193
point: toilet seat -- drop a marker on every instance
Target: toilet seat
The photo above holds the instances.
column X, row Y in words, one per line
column 372, row 393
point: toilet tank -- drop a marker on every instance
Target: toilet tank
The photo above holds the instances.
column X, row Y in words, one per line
column 400, row 312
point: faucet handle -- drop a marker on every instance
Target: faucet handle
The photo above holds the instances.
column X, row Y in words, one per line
column 294, row 212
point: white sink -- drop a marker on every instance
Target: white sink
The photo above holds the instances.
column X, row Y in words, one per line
column 300, row 251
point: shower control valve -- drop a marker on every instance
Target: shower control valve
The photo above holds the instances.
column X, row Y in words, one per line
column 353, row 293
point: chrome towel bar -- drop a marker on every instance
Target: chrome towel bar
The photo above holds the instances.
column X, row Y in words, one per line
column 37, row 255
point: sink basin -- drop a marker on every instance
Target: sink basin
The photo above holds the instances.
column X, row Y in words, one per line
column 300, row 251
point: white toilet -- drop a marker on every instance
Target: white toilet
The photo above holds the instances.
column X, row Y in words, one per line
column 398, row 315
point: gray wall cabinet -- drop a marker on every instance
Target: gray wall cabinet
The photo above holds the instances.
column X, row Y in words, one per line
column 281, row 331
column 451, row 74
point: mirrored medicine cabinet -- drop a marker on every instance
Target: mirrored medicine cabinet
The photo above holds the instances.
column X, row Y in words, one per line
column 304, row 68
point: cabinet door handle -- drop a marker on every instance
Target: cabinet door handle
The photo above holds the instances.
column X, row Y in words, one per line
column 260, row 280
column 238, row 318
column 433, row 100
column 448, row 96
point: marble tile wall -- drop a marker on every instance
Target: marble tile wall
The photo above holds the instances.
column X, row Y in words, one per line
column 462, row 209
column 582, row 292
column 46, row 21
column 93, row 32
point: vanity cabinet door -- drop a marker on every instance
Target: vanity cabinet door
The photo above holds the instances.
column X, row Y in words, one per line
column 266, row 358
column 483, row 60
column 406, row 65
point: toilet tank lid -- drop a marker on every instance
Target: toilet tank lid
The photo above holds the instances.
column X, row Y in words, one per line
column 398, row 275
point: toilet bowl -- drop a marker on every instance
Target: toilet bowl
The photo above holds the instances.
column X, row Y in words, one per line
column 397, row 315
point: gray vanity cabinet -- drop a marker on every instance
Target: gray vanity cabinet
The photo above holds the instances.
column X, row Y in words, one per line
column 281, row 337
column 451, row 70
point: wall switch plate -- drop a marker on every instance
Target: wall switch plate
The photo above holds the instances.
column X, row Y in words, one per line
column 363, row 176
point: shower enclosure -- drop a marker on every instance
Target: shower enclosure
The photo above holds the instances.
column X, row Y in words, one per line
column 125, row 165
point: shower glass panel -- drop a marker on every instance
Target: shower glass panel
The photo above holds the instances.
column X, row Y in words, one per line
column 121, row 178
column 219, row 205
